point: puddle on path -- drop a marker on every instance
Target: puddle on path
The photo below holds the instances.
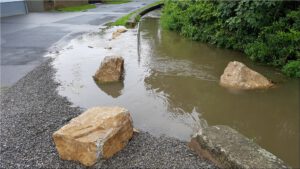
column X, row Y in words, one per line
column 172, row 83
column 78, row 61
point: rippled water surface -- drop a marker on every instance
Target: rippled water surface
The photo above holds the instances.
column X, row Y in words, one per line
column 171, row 87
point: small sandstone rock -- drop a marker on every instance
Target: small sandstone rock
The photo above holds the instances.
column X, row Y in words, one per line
column 118, row 33
column 100, row 132
column 237, row 75
column 229, row 149
column 111, row 69
column 115, row 35
column 122, row 30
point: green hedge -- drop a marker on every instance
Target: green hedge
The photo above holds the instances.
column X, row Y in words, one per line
column 267, row 31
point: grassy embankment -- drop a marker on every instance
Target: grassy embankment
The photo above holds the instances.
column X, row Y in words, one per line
column 266, row 31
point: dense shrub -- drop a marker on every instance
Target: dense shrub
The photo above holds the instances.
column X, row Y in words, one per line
column 292, row 68
column 267, row 31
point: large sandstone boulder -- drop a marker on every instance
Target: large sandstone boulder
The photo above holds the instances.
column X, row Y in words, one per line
column 237, row 75
column 100, row 132
column 228, row 149
column 118, row 32
column 111, row 69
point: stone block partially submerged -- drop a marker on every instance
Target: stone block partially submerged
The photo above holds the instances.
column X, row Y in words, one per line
column 99, row 132
column 239, row 76
column 110, row 70
column 229, row 149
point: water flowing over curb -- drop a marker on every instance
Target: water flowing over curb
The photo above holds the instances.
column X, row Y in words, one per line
column 134, row 19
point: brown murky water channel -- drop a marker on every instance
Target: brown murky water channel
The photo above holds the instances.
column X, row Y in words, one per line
column 171, row 87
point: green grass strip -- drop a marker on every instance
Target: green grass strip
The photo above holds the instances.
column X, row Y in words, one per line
column 115, row 1
column 123, row 20
column 77, row 8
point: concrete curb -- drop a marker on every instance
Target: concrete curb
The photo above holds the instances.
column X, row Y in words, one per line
column 227, row 148
column 134, row 19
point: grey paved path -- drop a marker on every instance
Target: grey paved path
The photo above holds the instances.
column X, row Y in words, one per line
column 26, row 38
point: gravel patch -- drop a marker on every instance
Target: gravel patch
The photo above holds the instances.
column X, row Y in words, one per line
column 31, row 110
column 146, row 151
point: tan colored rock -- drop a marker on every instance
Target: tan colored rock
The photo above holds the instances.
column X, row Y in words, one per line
column 115, row 35
column 99, row 132
column 111, row 69
column 237, row 75
column 122, row 30
column 118, row 32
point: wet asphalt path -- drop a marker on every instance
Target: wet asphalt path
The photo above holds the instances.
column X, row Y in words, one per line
column 26, row 38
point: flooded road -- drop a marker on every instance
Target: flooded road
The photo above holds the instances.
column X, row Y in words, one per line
column 171, row 87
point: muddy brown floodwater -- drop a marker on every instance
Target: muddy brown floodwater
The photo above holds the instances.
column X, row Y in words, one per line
column 171, row 87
